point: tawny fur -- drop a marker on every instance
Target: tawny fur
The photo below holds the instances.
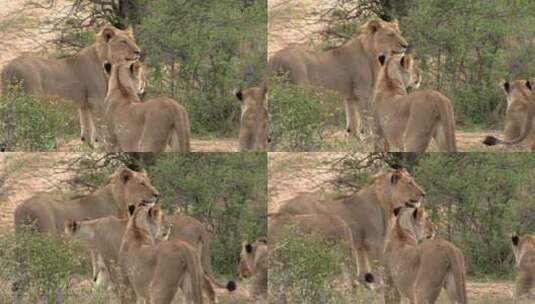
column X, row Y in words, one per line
column 349, row 70
column 135, row 126
column 407, row 122
column 254, row 119
column 79, row 79
column 368, row 212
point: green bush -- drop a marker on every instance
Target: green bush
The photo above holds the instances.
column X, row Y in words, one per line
column 299, row 117
column 200, row 51
column 32, row 124
column 42, row 262
column 303, row 269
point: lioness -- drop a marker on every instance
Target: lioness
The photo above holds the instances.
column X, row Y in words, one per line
column 253, row 121
column 80, row 78
column 407, row 122
column 524, row 250
column 519, row 116
column 142, row 126
column 254, row 265
column 104, row 236
column 324, row 226
column 155, row 270
column 45, row 212
column 368, row 212
column 349, row 70
column 420, row 271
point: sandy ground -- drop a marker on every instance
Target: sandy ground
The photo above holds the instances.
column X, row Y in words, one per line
column 292, row 173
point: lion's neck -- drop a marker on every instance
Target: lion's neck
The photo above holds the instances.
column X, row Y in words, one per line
column 400, row 237
column 366, row 44
column 120, row 89
column 115, row 195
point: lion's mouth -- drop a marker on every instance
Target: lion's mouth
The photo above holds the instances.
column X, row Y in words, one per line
column 412, row 203
column 399, row 51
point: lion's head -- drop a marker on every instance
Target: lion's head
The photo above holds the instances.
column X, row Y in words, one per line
column 518, row 94
column 117, row 46
column 522, row 245
column 149, row 220
column 383, row 37
column 249, row 257
column 133, row 188
column 415, row 222
column 398, row 188
column 399, row 71
column 132, row 76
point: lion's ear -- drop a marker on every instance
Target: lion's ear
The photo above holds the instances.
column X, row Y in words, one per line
column 528, row 84
column 239, row 95
column 374, row 25
column 249, row 248
column 405, row 61
column 108, row 33
column 397, row 210
column 415, row 213
column 382, row 59
column 506, row 86
column 131, row 209
column 134, row 67
column 107, row 68
column 72, row 225
column 396, row 176
column 515, row 239
column 126, row 174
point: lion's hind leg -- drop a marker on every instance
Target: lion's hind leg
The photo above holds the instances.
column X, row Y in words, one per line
column 155, row 134
column 419, row 131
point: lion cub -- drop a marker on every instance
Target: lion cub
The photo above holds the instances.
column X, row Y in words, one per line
column 155, row 270
column 420, row 271
column 524, row 250
column 254, row 117
column 135, row 126
column 254, row 265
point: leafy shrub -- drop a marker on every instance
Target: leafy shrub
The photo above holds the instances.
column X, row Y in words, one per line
column 303, row 269
column 299, row 117
column 40, row 263
column 32, row 124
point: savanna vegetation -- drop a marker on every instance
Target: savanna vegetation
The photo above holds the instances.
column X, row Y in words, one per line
column 465, row 49
column 227, row 192
column 197, row 52
column 476, row 201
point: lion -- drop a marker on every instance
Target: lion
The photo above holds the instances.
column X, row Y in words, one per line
column 519, row 115
column 254, row 117
column 524, row 251
column 349, row 69
column 368, row 213
column 407, row 122
column 136, row 126
column 323, row 226
column 420, row 271
column 104, row 236
column 155, row 270
column 47, row 213
column 254, row 266
column 79, row 79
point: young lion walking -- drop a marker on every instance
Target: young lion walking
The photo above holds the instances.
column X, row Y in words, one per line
column 420, row 271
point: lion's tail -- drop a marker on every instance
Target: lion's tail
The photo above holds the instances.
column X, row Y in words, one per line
column 447, row 128
column 180, row 139
column 193, row 266
column 204, row 250
column 456, row 260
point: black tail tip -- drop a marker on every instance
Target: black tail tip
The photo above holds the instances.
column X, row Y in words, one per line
column 368, row 278
column 231, row 286
column 490, row 141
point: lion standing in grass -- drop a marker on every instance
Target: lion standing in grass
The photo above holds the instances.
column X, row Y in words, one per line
column 135, row 126
column 524, row 250
column 80, row 79
column 349, row 69
column 407, row 122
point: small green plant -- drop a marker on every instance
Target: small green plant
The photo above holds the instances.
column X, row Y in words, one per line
column 300, row 116
column 28, row 123
column 302, row 270
column 39, row 264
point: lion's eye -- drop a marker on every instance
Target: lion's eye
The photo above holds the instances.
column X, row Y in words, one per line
column 123, row 41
